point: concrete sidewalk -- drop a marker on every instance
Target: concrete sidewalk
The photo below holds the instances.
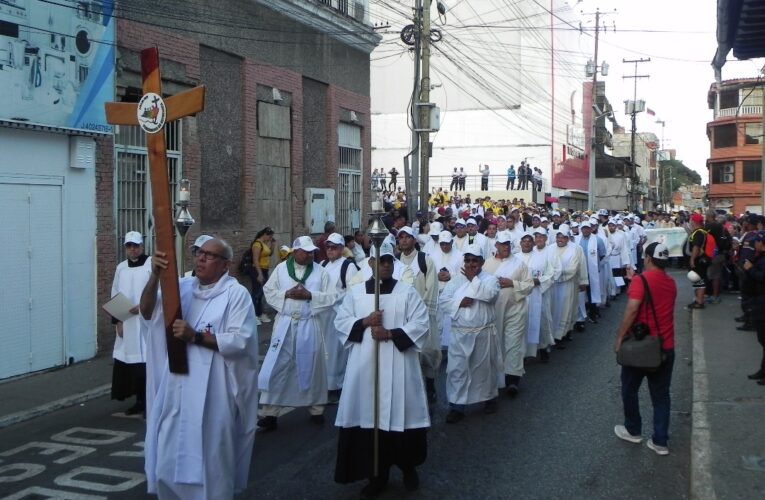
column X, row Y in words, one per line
column 728, row 436
column 30, row 396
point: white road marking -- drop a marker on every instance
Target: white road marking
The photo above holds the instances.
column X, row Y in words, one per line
column 107, row 436
column 131, row 479
column 702, row 487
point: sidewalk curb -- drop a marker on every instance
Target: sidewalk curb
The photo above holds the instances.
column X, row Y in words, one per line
column 702, row 486
column 15, row 418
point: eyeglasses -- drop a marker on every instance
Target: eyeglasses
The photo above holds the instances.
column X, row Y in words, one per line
column 472, row 260
column 204, row 254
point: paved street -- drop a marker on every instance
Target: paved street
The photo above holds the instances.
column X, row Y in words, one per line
column 554, row 441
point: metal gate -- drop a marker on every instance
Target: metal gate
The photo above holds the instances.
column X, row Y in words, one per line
column 31, row 304
column 132, row 189
column 349, row 178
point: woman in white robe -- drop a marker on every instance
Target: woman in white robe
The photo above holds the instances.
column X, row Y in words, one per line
column 565, row 289
column 542, row 273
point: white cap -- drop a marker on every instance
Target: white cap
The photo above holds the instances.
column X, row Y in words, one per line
column 657, row 251
column 445, row 237
column 544, row 219
column 474, row 250
column 603, row 212
column 435, row 228
column 563, row 229
column 504, row 237
column 460, row 222
column 471, row 221
column 384, row 250
column 574, row 224
column 405, row 230
column 555, row 213
column 285, row 248
column 535, row 216
column 612, row 221
column 304, row 243
column 133, row 237
column 539, row 230
column 201, row 240
column 336, row 239
column 529, row 235
column 594, row 222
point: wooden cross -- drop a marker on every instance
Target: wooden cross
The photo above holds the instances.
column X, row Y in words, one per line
column 151, row 113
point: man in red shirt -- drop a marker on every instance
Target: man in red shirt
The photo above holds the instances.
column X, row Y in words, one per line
column 663, row 291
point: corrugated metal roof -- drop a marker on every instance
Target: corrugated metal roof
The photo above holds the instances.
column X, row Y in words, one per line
column 741, row 27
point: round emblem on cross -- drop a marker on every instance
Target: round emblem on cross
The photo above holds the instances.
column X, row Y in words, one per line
column 151, row 113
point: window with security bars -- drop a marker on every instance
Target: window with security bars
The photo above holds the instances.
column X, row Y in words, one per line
column 752, row 171
column 132, row 186
column 350, row 158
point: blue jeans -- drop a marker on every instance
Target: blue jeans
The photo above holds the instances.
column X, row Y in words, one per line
column 658, row 385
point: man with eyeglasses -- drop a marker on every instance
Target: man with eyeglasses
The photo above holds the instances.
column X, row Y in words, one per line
column 201, row 425
column 129, row 371
column 475, row 361
column 294, row 372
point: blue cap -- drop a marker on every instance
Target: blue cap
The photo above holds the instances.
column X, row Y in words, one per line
column 760, row 236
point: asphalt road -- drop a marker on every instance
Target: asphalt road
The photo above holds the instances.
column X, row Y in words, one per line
column 555, row 441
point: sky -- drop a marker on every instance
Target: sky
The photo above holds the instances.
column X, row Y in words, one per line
column 679, row 38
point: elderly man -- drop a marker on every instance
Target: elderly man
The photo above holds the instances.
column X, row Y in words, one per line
column 543, row 270
column 294, row 372
column 400, row 328
column 511, row 309
column 448, row 262
column 129, row 371
column 200, row 428
column 620, row 252
column 594, row 251
column 473, row 235
column 460, row 235
column 475, row 360
column 341, row 270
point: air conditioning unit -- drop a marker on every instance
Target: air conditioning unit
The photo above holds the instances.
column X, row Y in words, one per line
column 728, row 178
column 728, row 169
column 359, row 11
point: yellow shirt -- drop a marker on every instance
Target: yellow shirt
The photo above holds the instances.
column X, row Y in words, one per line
column 264, row 262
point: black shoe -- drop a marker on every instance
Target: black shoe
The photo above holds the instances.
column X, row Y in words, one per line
column 333, row 397
column 544, row 355
column 454, row 416
column 559, row 346
column 512, row 390
column 568, row 337
column 267, row 423
column 374, row 487
column 694, row 305
column 135, row 409
column 411, row 479
column 761, row 381
column 490, row 406
column 579, row 325
column 430, row 390
column 317, row 419
column 740, row 319
column 757, row 376
column 746, row 327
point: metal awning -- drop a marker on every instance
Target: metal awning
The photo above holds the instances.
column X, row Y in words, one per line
column 740, row 27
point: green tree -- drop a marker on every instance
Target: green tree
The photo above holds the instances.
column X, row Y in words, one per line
column 680, row 176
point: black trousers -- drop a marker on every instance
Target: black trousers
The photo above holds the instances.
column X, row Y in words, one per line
column 760, row 326
column 510, row 183
column 454, row 185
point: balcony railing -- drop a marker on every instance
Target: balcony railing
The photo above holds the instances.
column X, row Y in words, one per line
column 740, row 111
column 357, row 9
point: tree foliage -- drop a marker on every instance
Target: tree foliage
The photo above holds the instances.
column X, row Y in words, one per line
column 681, row 176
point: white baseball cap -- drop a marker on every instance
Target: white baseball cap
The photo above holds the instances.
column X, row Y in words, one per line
column 460, row 222
column 133, row 237
column 445, row 237
column 504, row 237
column 435, row 228
column 201, row 240
column 406, row 230
column 304, row 243
column 336, row 239
column 471, row 221
column 474, row 250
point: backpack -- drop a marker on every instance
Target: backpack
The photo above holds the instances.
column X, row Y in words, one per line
column 343, row 269
column 245, row 265
column 724, row 243
column 710, row 246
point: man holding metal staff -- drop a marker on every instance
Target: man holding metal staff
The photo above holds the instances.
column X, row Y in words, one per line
column 382, row 422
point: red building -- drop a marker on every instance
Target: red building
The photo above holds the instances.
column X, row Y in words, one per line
column 735, row 137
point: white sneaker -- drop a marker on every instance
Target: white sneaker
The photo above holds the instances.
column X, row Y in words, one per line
column 264, row 319
column 660, row 450
column 257, row 321
column 622, row 433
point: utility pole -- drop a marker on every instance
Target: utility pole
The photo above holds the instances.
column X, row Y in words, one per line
column 632, row 109
column 592, row 70
column 424, row 108
column 661, row 184
column 411, row 179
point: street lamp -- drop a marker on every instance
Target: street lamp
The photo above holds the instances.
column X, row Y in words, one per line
column 184, row 220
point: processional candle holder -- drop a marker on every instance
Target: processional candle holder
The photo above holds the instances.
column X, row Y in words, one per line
column 184, row 220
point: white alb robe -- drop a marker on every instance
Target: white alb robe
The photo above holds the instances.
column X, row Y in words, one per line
column 474, row 368
column 336, row 354
column 543, row 266
column 427, row 286
column 565, row 290
column 512, row 310
column 452, row 261
column 403, row 403
column 200, row 426
column 294, row 371
column 130, row 281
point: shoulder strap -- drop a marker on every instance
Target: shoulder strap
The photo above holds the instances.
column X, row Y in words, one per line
column 324, row 263
column 421, row 262
column 344, row 269
column 647, row 292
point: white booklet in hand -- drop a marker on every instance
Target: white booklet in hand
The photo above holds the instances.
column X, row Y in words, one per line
column 119, row 307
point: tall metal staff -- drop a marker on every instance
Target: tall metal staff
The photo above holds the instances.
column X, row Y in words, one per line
column 377, row 233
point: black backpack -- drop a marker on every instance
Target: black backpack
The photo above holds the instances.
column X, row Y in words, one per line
column 724, row 241
column 245, row 265
column 343, row 269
